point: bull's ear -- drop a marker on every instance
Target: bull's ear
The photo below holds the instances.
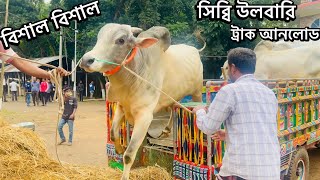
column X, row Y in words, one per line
column 145, row 42
column 136, row 31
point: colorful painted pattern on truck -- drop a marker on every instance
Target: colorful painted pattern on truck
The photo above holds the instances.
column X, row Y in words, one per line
column 197, row 156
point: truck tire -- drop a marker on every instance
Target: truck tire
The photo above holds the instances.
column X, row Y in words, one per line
column 299, row 165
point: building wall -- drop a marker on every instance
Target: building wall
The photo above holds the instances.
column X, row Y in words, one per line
column 307, row 21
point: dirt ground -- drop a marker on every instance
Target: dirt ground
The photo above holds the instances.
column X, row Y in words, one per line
column 89, row 136
column 89, row 132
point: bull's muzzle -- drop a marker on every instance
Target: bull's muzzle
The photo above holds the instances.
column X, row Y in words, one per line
column 86, row 62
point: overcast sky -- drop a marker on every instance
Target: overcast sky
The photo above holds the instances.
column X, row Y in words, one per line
column 47, row 1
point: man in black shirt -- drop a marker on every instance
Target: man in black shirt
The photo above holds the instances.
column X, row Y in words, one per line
column 70, row 107
column 81, row 89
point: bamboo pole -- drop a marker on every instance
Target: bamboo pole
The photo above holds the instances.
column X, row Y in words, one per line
column 60, row 51
column 3, row 63
column 7, row 13
column 75, row 60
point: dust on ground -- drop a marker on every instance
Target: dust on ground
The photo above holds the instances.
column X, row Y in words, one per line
column 90, row 132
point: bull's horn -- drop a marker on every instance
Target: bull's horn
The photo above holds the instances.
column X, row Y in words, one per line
column 136, row 31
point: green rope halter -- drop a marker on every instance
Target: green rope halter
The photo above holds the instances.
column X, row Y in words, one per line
column 107, row 62
column 113, row 63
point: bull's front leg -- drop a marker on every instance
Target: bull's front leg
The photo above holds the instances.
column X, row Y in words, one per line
column 142, row 121
column 116, row 122
column 196, row 97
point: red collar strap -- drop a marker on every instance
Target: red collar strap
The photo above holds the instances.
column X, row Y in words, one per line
column 129, row 59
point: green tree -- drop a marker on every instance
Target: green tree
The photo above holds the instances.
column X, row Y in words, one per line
column 179, row 16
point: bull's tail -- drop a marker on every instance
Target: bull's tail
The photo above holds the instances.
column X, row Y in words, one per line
column 204, row 46
column 200, row 38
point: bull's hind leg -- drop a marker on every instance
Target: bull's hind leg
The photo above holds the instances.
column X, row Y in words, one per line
column 197, row 97
column 165, row 133
column 114, row 135
column 142, row 122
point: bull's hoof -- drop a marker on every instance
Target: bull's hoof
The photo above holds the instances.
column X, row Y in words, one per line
column 119, row 149
column 165, row 133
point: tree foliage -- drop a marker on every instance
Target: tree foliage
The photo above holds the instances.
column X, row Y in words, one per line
column 179, row 16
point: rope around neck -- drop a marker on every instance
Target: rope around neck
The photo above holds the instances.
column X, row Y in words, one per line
column 56, row 78
column 123, row 64
column 146, row 81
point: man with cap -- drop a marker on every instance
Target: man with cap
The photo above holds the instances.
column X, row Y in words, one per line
column 70, row 107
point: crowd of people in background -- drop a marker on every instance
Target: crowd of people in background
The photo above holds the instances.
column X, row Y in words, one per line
column 41, row 91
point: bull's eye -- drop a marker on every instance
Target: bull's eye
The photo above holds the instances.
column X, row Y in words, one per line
column 120, row 41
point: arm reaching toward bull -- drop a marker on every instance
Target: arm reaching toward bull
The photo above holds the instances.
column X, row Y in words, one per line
column 27, row 67
column 219, row 135
column 218, row 111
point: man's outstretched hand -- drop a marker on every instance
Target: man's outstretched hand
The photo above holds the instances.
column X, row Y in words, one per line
column 195, row 109
column 2, row 48
column 8, row 51
column 62, row 71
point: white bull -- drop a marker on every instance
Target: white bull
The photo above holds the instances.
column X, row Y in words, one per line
column 176, row 69
column 282, row 60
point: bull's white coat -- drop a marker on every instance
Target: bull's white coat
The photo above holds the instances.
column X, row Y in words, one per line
column 176, row 69
column 282, row 60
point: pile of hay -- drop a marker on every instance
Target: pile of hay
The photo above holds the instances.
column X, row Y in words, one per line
column 24, row 156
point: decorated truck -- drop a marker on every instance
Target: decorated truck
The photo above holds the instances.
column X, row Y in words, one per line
column 197, row 156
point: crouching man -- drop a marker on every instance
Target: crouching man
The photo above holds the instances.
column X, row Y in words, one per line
column 70, row 107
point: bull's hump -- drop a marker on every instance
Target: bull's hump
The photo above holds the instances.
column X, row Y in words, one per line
column 181, row 46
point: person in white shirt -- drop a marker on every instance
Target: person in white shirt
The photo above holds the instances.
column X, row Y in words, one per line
column 14, row 88
column 248, row 110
